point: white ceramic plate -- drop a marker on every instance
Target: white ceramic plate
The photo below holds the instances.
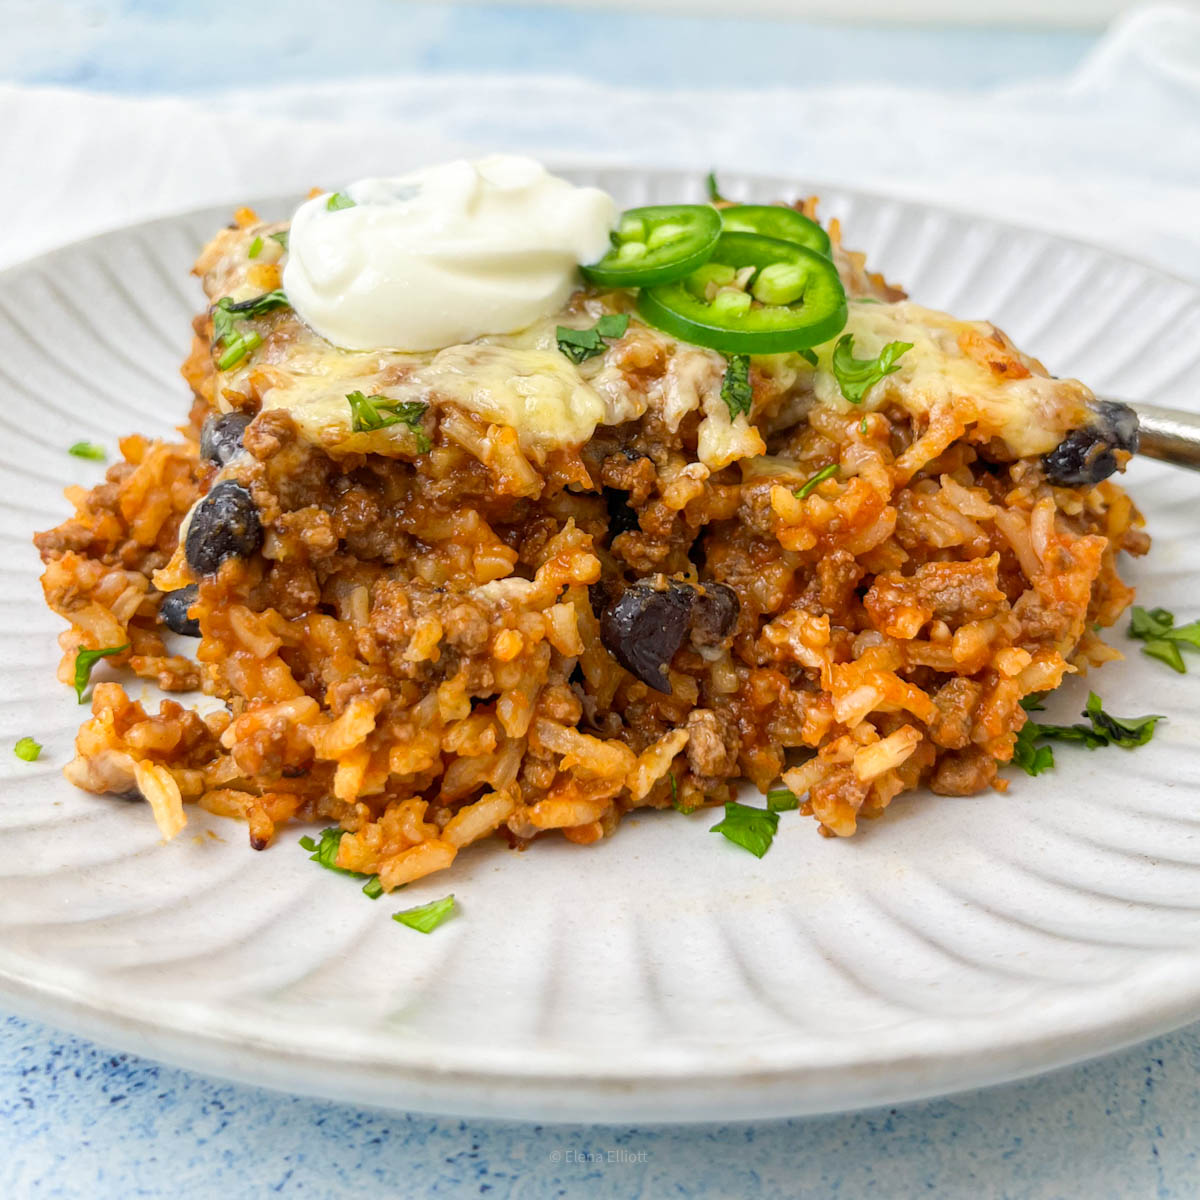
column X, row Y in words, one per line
column 665, row 974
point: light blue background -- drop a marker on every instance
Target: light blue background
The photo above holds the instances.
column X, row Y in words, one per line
column 77, row 1120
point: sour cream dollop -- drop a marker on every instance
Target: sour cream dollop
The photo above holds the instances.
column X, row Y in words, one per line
column 443, row 255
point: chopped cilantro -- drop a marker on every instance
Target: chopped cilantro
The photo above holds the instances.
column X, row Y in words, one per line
column 751, row 828
column 581, row 344
column 236, row 343
column 368, row 413
column 735, row 387
column 823, row 474
column 281, row 237
column 1163, row 639
column 88, row 450
column 1103, row 729
column 1121, row 731
column 426, row 917
column 325, row 853
column 255, row 247
column 27, row 749
column 1033, row 702
column 782, row 800
column 856, row 376
column 1028, row 755
column 85, row 660
column 337, row 200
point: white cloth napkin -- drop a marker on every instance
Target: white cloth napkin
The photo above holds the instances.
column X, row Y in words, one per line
column 1111, row 153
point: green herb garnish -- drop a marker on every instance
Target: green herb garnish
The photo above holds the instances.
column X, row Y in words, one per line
column 809, row 356
column 88, row 450
column 856, row 376
column 823, row 474
column 85, row 660
column 235, row 342
column 581, row 344
column 1103, row 729
column 337, row 201
column 782, row 800
column 281, row 237
column 714, row 192
column 27, row 749
column 1163, row 639
column 255, row 247
column 427, row 917
column 369, row 413
column 1028, row 755
column 751, row 828
column 735, row 387
column 325, row 853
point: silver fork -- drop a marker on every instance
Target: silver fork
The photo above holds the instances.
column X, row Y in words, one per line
column 1169, row 434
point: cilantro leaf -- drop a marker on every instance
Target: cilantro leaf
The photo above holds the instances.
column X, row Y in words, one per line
column 88, row 450
column 1033, row 702
column 426, row 917
column 368, row 413
column 1163, row 639
column 27, row 749
column 782, row 800
column 581, row 344
column 85, row 660
column 236, row 343
column 338, row 200
column 281, row 237
column 856, row 376
column 325, row 853
column 751, row 828
column 1121, row 731
column 823, row 474
column 735, row 387
column 1028, row 755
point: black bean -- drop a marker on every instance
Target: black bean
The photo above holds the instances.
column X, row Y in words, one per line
column 221, row 437
column 646, row 624
column 645, row 627
column 1094, row 451
column 173, row 611
column 224, row 525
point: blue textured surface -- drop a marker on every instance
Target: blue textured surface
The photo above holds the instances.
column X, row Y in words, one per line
column 77, row 1120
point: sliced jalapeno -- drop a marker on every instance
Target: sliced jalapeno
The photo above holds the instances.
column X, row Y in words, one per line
column 793, row 300
column 656, row 244
column 774, row 220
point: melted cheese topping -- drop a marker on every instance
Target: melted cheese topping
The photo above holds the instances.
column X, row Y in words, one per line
column 958, row 361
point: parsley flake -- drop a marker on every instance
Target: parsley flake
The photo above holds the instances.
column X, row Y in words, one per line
column 369, row 413
column 735, row 387
column 325, row 853
column 337, row 200
column 27, row 749
column 85, row 660
column 255, row 247
column 856, row 376
column 782, row 800
column 235, row 343
column 823, row 474
column 90, row 450
column 426, row 917
column 1103, row 729
column 751, row 828
column 1163, row 639
column 581, row 344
